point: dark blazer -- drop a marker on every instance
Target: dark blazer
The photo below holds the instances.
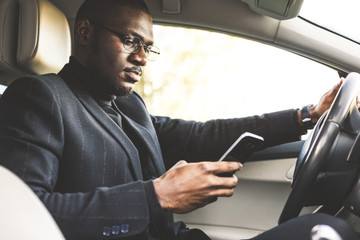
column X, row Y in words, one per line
column 87, row 171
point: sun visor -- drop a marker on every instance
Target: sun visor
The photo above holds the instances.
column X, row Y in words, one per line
column 171, row 6
column 34, row 37
column 278, row 9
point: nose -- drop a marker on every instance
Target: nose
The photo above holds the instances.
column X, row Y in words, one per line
column 140, row 57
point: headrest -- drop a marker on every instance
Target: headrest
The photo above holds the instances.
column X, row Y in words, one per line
column 34, row 37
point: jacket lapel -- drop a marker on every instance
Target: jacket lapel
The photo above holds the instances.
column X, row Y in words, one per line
column 151, row 143
column 73, row 73
column 95, row 110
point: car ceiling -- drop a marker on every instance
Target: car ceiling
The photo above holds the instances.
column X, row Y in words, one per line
column 236, row 18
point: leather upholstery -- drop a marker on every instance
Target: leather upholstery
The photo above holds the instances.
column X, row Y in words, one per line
column 34, row 37
column 23, row 216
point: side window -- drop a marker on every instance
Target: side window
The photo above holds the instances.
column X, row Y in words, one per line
column 203, row 75
column 2, row 89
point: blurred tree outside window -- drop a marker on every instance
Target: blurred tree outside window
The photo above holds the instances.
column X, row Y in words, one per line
column 202, row 75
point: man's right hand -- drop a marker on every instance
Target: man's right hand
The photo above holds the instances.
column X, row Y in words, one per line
column 188, row 186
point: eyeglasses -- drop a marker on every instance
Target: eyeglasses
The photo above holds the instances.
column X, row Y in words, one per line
column 133, row 44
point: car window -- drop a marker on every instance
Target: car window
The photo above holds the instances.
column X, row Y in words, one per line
column 2, row 88
column 324, row 12
column 202, row 75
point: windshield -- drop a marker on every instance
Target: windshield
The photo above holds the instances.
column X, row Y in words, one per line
column 340, row 16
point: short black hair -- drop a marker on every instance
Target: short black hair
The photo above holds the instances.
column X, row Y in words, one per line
column 91, row 9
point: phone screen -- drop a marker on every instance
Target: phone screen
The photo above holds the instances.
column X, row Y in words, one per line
column 243, row 147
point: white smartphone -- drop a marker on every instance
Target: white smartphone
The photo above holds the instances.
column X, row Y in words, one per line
column 243, row 147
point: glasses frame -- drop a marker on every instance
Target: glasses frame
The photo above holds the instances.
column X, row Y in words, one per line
column 150, row 50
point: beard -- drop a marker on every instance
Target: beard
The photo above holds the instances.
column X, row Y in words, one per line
column 102, row 80
column 119, row 90
column 106, row 87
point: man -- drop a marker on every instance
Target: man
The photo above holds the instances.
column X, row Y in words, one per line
column 88, row 148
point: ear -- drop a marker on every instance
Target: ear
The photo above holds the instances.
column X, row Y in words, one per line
column 83, row 31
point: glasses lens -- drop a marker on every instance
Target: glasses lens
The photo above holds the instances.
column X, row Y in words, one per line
column 152, row 53
column 133, row 44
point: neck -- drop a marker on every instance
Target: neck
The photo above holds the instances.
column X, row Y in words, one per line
column 90, row 82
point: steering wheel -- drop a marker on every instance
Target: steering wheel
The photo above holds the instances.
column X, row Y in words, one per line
column 314, row 155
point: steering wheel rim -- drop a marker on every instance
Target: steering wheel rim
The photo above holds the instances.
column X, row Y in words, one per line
column 318, row 147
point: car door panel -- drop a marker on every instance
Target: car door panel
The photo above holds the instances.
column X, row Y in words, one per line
column 263, row 187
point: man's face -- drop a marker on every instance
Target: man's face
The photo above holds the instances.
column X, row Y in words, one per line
column 114, row 69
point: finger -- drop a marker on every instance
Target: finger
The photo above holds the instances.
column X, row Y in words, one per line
column 341, row 80
column 222, row 192
column 226, row 182
column 336, row 88
column 222, row 167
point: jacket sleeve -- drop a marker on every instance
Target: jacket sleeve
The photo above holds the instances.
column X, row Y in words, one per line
column 198, row 141
column 31, row 143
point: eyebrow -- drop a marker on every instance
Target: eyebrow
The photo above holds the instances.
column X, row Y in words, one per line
column 141, row 37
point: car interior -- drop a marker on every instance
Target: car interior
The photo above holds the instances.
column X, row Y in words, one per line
column 317, row 174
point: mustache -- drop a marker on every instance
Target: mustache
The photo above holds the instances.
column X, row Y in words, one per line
column 135, row 69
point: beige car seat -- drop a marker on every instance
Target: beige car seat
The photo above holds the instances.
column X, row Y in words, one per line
column 22, row 215
column 34, row 39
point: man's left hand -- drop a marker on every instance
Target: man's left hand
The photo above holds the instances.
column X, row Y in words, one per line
column 325, row 102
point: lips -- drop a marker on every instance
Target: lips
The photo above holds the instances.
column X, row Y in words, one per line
column 133, row 74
